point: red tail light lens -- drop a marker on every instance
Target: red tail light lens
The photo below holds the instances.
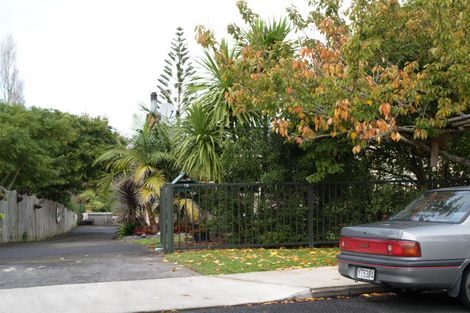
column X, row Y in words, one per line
column 390, row 247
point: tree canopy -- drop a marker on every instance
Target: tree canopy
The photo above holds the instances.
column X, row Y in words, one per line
column 378, row 75
column 382, row 70
column 49, row 152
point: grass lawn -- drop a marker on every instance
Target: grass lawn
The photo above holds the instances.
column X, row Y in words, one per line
column 152, row 243
column 231, row 261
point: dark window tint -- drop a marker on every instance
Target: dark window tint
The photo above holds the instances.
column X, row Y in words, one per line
column 440, row 206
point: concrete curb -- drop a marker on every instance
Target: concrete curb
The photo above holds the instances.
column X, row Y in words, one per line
column 343, row 291
column 327, row 292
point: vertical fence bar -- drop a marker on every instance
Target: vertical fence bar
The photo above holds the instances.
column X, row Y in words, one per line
column 170, row 238
column 163, row 228
column 310, row 203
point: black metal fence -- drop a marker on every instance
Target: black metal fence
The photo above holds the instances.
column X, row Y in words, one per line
column 201, row 216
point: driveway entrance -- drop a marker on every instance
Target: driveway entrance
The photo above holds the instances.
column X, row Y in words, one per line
column 86, row 254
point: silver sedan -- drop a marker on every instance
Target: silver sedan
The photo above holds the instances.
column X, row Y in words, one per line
column 425, row 246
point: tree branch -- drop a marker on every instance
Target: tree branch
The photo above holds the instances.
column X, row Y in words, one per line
column 411, row 129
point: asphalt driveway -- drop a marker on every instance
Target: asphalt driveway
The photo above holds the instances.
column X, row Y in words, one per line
column 86, row 254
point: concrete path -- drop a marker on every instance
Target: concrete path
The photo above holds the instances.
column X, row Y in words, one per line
column 313, row 278
column 85, row 255
column 178, row 293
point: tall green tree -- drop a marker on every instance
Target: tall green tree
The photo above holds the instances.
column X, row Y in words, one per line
column 177, row 74
column 49, row 152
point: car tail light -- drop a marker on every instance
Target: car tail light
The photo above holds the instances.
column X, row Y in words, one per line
column 390, row 247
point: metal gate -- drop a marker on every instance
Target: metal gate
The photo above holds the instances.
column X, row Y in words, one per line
column 202, row 216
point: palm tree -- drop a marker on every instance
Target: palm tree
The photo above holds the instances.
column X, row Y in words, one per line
column 197, row 147
column 269, row 37
column 213, row 119
column 215, row 84
column 138, row 163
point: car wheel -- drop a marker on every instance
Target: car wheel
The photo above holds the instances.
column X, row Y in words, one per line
column 464, row 294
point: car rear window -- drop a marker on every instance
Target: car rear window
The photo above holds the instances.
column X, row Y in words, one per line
column 437, row 206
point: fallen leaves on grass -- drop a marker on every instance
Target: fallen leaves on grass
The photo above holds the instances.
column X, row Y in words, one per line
column 231, row 261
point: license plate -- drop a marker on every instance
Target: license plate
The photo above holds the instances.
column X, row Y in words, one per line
column 365, row 273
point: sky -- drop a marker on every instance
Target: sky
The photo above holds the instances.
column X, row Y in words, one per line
column 103, row 57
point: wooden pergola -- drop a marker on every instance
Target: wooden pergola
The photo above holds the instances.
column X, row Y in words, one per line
column 461, row 122
column 455, row 124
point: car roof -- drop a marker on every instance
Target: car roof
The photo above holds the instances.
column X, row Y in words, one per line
column 459, row 188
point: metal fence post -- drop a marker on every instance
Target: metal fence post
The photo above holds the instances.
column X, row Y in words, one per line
column 166, row 218
column 162, row 218
column 310, row 215
column 170, row 239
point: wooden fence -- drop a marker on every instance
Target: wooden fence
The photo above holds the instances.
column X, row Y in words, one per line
column 28, row 218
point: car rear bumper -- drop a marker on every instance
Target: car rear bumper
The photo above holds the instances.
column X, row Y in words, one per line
column 435, row 274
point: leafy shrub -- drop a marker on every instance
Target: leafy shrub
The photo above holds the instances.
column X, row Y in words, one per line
column 126, row 230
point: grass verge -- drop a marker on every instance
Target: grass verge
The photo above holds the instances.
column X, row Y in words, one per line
column 152, row 243
column 231, row 261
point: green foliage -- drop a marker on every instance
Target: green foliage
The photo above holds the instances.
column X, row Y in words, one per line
column 138, row 162
column 49, row 152
column 75, row 205
column 252, row 215
column 152, row 243
column 384, row 70
column 197, row 146
column 360, row 203
column 255, row 154
column 215, row 82
column 137, row 171
column 126, row 229
column 2, row 216
column 96, row 202
column 126, row 194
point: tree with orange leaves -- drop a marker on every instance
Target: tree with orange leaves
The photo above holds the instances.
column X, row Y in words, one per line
column 380, row 70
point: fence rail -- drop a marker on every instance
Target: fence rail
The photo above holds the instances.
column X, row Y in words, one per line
column 202, row 216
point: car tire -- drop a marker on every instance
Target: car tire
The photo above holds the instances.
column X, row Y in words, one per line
column 464, row 294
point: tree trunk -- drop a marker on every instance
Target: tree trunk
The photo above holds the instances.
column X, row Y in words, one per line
column 151, row 216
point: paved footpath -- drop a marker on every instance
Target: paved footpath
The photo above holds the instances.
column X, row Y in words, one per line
column 179, row 293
